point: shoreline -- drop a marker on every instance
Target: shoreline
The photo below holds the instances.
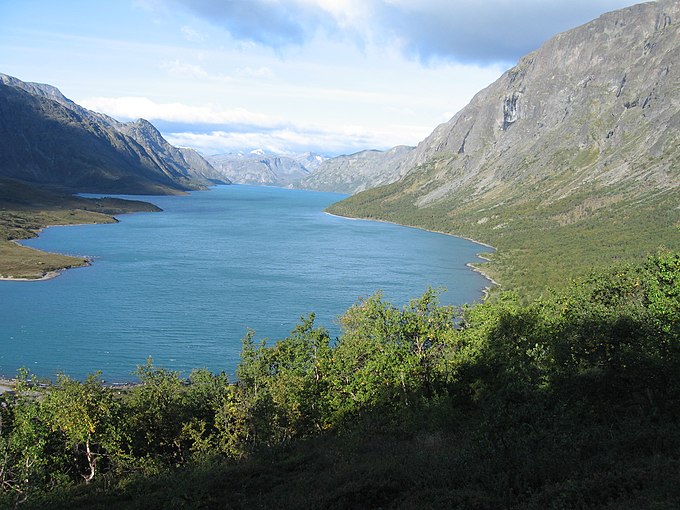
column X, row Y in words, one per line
column 7, row 385
column 92, row 217
column 47, row 276
column 50, row 275
column 486, row 290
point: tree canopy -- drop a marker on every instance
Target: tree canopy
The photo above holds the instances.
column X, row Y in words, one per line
column 534, row 399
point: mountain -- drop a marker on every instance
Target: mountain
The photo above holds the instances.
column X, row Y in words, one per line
column 184, row 161
column 570, row 159
column 262, row 168
column 309, row 160
column 48, row 139
column 200, row 169
column 359, row 171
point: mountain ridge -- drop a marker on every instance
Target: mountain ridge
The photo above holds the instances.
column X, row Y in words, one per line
column 577, row 148
column 357, row 172
column 518, row 104
column 259, row 167
column 49, row 139
column 51, row 148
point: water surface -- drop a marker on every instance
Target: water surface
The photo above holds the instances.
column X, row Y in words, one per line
column 184, row 285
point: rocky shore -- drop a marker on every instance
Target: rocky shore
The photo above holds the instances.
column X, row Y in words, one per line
column 7, row 385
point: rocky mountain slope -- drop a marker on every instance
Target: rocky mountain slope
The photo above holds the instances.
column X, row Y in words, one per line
column 47, row 139
column 266, row 169
column 201, row 169
column 360, row 171
column 598, row 105
column 184, row 161
column 578, row 144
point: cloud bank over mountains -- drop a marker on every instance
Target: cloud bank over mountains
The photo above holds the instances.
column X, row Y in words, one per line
column 327, row 76
column 467, row 31
column 464, row 44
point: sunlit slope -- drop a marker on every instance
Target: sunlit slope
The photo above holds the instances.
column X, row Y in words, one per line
column 570, row 160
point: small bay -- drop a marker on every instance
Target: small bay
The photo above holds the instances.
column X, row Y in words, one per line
column 185, row 285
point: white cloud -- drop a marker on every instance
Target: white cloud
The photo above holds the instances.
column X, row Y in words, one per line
column 348, row 14
column 470, row 31
column 261, row 72
column 283, row 141
column 191, row 34
column 127, row 108
column 179, row 68
column 213, row 130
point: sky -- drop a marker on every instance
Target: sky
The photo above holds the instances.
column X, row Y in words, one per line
column 288, row 76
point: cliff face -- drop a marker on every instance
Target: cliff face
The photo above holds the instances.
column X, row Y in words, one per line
column 596, row 106
column 571, row 159
column 47, row 139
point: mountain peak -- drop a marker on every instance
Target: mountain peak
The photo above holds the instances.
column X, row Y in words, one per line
column 49, row 139
column 598, row 100
column 260, row 167
column 36, row 89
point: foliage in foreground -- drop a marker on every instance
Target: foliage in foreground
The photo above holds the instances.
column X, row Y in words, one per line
column 569, row 401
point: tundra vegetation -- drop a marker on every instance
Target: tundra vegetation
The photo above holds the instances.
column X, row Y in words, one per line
column 567, row 401
column 25, row 209
column 540, row 244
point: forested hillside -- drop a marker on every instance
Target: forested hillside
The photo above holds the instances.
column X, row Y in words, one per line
column 570, row 401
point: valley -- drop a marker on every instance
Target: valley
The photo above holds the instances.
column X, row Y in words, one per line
column 288, row 358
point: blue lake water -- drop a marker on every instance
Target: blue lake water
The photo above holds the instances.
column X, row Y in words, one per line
column 184, row 285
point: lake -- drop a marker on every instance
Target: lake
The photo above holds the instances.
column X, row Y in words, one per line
column 185, row 285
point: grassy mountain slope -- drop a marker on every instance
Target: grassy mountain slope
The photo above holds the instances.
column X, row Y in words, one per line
column 570, row 160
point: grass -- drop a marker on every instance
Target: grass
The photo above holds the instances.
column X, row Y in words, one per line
column 540, row 244
column 21, row 262
column 25, row 210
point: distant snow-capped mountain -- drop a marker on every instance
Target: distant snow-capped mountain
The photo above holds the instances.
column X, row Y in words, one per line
column 265, row 168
